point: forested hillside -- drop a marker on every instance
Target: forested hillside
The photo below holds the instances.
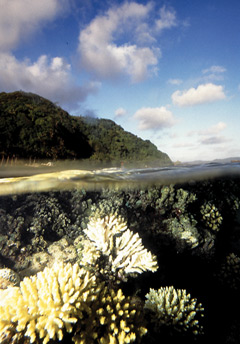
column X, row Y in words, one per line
column 34, row 127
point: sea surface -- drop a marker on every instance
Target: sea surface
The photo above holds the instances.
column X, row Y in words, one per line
column 21, row 179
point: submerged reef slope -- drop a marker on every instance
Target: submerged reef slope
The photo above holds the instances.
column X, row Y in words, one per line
column 191, row 230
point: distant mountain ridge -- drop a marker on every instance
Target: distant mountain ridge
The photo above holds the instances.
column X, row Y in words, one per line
column 34, row 127
column 219, row 161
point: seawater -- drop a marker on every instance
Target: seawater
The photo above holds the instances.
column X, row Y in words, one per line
column 13, row 180
column 188, row 216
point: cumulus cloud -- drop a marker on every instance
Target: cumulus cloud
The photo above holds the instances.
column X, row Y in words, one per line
column 205, row 93
column 50, row 78
column 19, row 18
column 154, row 118
column 120, row 112
column 100, row 52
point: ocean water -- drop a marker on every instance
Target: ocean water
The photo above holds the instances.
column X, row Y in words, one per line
column 188, row 217
column 34, row 179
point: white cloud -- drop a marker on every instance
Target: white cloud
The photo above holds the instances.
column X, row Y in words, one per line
column 19, row 18
column 100, row 52
column 120, row 112
column 214, row 73
column 214, row 69
column 213, row 130
column 154, row 118
column 175, row 81
column 49, row 78
column 212, row 136
column 167, row 19
column 205, row 93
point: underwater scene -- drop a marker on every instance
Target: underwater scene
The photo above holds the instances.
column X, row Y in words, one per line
column 117, row 255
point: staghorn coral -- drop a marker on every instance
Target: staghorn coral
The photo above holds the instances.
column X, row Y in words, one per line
column 174, row 307
column 114, row 319
column 47, row 304
column 118, row 251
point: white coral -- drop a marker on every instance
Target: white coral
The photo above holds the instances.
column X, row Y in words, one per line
column 174, row 307
column 101, row 231
column 124, row 249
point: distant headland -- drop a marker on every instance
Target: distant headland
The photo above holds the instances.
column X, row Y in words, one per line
column 33, row 128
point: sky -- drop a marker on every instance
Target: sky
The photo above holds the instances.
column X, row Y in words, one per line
column 166, row 71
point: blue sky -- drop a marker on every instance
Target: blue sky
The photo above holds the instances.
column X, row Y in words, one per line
column 167, row 71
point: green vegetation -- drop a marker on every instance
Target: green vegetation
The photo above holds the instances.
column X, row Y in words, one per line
column 34, row 127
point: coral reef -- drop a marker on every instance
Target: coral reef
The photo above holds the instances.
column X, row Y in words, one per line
column 8, row 278
column 67, row 298
column 229, row 273
column 59, row 251
column 121, row 250
column 211, row 216
column 190, row 227
column 114, row 319
column 175, row 308
column 49, row 219
column 47, row 304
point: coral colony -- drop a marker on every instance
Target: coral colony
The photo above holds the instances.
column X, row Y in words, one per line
column 174, row 307
column 79, row 299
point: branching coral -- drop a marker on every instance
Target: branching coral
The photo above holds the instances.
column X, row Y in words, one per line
column 67, row 298
column 114, row 319
column 48, row 303
column 229, row 273
column 122, row 250
column 174, row 307
column 211, row 216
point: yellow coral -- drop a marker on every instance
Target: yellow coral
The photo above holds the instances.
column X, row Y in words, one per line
column 115, row 319
column 67, row 298
column 48, row 303
column 88, row 253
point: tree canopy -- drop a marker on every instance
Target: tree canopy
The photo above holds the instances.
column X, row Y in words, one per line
column 32, row 126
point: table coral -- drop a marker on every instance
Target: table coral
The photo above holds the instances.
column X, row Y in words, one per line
column 174, row 307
